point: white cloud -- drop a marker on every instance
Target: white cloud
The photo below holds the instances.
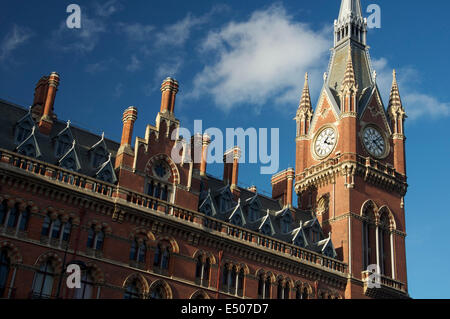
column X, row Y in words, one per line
column 81, row 40
column 417, row 104
column 108, row 8
column 118, row 90
column 99, row 66
column 136, row 32
column 260, row 60
column 177, row 34
column 134, row 65
column 14, row 39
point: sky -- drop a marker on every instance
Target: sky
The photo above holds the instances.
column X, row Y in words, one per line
column 242, row 64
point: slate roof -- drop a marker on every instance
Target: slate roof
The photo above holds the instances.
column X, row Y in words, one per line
column 268, row 209
column 84, row 140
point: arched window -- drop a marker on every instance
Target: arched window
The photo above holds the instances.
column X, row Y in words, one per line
column 369, row 237
column 56, row 228
column 161, row 258
column 13, row 217
column 226, row 277
column 240, row 283
column 286, row 291
column 43, row 281
column 158, row 292
column 67, row 229
column 95, row 238
column 138, row 250
column 261, row 283
column 132, row 290
column 202, row 270
column 384, row 241
column 87, row 286
column 286, row 223
column 23, row 219
column 165, row 258
column 157, row 257
column 3, row 211
column 4, row 271
column 280, row 289
column 305, row 293
column 267, row 286
column 46, row 226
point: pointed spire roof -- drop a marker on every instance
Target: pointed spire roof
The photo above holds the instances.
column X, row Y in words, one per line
column 349, row 77
column 305, row 100
column 395, row 102
column 350, row 11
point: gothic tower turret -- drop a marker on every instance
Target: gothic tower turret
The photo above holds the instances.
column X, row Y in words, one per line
column 350, row 163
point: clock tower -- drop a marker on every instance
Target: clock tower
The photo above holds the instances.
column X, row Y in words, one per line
column 350, row 163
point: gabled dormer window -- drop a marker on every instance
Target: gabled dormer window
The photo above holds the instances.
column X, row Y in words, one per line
column 23, row 129
column 299, row 241
column 286, row 222
column 70, row 160
column 253, row 213
column 99, row 154
column 63, row 144
column 63, row 141
column 236, row 220
column 106, row 172
column 27, row 150
column 99, row 157
column 266, row 230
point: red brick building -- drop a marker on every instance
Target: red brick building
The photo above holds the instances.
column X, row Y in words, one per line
column 143, row 226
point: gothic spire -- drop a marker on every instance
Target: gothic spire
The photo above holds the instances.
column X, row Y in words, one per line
column 349, row 81
column 350, row 23
column 305, row 101
column 395, row 107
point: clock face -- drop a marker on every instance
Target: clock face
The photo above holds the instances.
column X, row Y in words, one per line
column 374, row 142
column 325, row 142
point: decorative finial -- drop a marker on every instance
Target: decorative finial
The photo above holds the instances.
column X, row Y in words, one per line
column 74, row 142
column 325, row 76
column 103, row 135
column 306, row 77
column 394, row 75
column 374, row 75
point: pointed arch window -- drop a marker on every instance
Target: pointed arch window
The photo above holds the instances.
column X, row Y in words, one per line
column 3, row 211
column 161, row 260
column 132, row 290
column 87, row 286
column 95, row 238
column 15, row 218
column 5, row 265
column 43, row 281
column 202, row 271
column 138, row 250
column 158, row 292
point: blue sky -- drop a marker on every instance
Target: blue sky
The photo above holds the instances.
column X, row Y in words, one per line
column 242, row 64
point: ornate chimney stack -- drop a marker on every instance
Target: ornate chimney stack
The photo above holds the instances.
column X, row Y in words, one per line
column 46, row 120
column 169, row 90
column 125, row 153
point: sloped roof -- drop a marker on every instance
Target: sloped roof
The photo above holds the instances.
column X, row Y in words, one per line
column 12, row 113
